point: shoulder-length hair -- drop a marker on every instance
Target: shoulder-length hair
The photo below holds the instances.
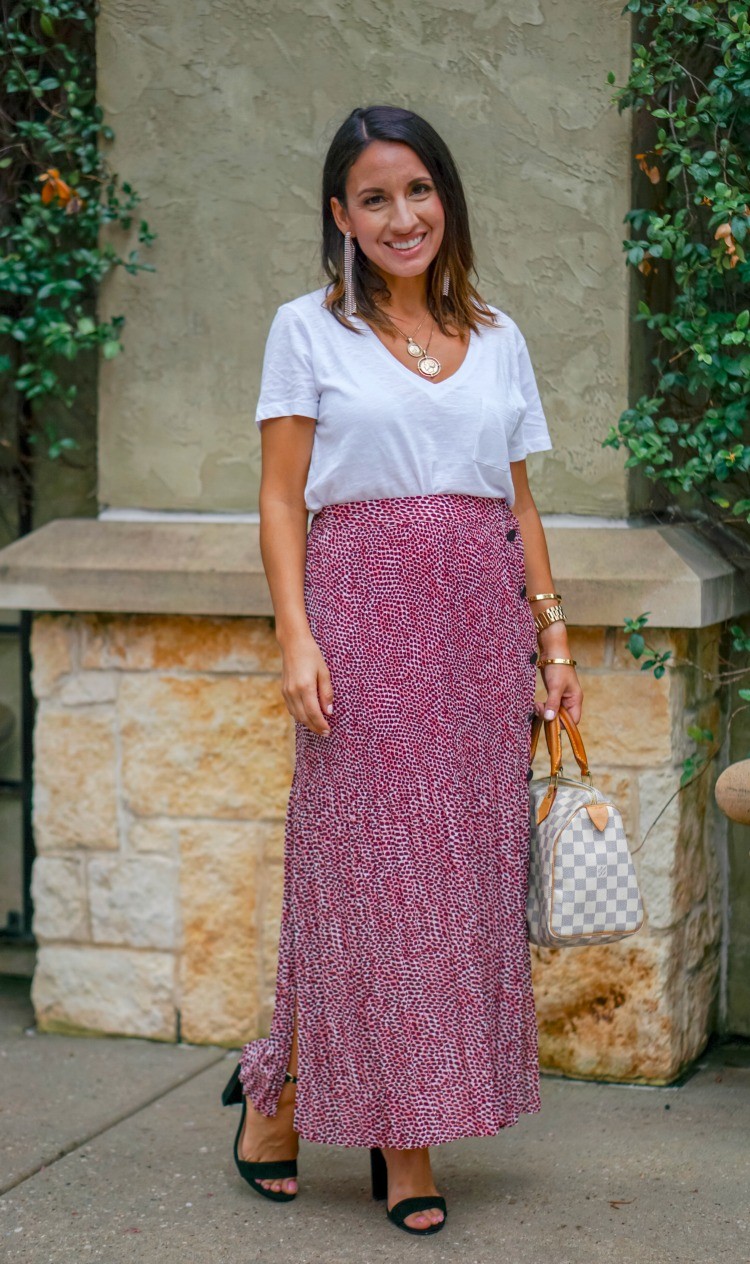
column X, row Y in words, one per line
column 462, row 308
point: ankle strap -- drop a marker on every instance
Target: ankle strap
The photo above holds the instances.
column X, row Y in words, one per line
column 291, row 1078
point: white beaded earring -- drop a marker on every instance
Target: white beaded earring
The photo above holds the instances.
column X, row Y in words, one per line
column 350, row 306
column 446, row 282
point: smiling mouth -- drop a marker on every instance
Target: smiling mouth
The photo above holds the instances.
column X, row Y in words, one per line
column 407, row 247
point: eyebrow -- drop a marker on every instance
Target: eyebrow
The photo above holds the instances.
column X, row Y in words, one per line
column 375, row 189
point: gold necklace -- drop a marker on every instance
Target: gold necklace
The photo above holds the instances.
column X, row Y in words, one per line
column 428, row 365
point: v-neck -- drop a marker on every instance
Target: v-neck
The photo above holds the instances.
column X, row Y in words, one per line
column 425, row 382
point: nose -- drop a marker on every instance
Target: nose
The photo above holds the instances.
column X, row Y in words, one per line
column 403, row 217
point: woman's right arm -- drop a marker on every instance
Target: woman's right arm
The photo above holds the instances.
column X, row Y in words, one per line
column 286, row 449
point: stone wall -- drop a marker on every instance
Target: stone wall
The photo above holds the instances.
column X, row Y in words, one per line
column 164, row 755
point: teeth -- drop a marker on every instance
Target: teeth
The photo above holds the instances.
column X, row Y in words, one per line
column 406, row 245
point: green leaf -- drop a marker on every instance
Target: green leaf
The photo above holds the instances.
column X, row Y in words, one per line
column 636, row 644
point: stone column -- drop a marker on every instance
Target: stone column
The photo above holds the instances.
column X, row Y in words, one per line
column 163, row 750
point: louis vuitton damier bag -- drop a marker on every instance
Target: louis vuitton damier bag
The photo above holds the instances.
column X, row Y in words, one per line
column 583, row 887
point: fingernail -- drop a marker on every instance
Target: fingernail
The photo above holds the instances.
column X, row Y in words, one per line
column 549, row 715
column 329, row 708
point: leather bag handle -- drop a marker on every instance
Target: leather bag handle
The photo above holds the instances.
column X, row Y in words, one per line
column 552, row 732
column 598, row 812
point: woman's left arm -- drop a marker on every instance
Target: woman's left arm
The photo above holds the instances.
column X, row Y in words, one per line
column 560, row 680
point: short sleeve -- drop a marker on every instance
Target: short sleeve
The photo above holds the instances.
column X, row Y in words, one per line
column 287, row 385
column 531, row 434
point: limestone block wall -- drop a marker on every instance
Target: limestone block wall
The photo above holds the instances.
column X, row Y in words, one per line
column 163, row 761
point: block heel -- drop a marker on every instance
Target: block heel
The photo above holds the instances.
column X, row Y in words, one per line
column 233, row 1092
column 379, row 1173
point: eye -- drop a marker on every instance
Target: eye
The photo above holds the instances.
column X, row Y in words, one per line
column 420, row 187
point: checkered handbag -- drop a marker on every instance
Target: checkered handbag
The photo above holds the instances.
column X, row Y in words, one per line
column 583, row 887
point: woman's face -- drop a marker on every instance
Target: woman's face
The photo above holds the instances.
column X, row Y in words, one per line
column 393, row 209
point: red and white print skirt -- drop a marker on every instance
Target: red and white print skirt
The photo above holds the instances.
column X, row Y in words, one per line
column 404, row 947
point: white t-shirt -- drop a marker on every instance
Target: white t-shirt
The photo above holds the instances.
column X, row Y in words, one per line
column 383, row 430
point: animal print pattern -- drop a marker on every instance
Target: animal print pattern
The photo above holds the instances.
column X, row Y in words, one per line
column 404, row 939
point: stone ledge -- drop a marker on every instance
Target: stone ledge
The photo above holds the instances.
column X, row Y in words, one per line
column 207, row 568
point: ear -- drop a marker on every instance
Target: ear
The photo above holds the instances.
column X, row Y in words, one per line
column 340, row 215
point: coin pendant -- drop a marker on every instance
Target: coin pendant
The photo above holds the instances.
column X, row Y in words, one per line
column 414, row 348
column 429, row 366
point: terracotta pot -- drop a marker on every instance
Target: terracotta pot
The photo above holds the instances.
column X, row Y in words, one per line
column 733, row 791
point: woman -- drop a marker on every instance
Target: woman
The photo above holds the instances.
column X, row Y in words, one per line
column 399, row 407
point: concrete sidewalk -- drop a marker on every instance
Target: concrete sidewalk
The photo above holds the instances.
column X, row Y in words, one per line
column 119, row 1150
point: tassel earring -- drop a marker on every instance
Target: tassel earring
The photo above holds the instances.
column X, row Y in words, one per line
column 350, row 306
column 446, row 282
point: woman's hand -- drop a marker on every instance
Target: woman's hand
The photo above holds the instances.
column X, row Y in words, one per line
column 306, row 684
column 563, row 686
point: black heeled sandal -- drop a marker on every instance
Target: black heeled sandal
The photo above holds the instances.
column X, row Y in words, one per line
column 253, row 1173
column 407, row 1206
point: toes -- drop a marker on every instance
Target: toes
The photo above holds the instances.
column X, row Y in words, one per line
column 423, row 1219
column 288, row 1186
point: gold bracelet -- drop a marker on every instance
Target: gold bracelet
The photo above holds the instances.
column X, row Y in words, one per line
column 545, row 597
column 551, row 614
column 542, row 662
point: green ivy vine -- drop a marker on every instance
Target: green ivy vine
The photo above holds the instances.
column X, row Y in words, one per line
column 689, row 86
column 691, row 76
column 59, row 207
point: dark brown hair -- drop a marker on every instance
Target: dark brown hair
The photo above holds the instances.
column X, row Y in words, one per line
column 463, row 308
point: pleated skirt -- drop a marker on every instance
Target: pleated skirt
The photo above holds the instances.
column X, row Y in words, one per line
column 404, row 949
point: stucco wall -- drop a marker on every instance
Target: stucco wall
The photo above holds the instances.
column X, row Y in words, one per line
column 223, row 113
